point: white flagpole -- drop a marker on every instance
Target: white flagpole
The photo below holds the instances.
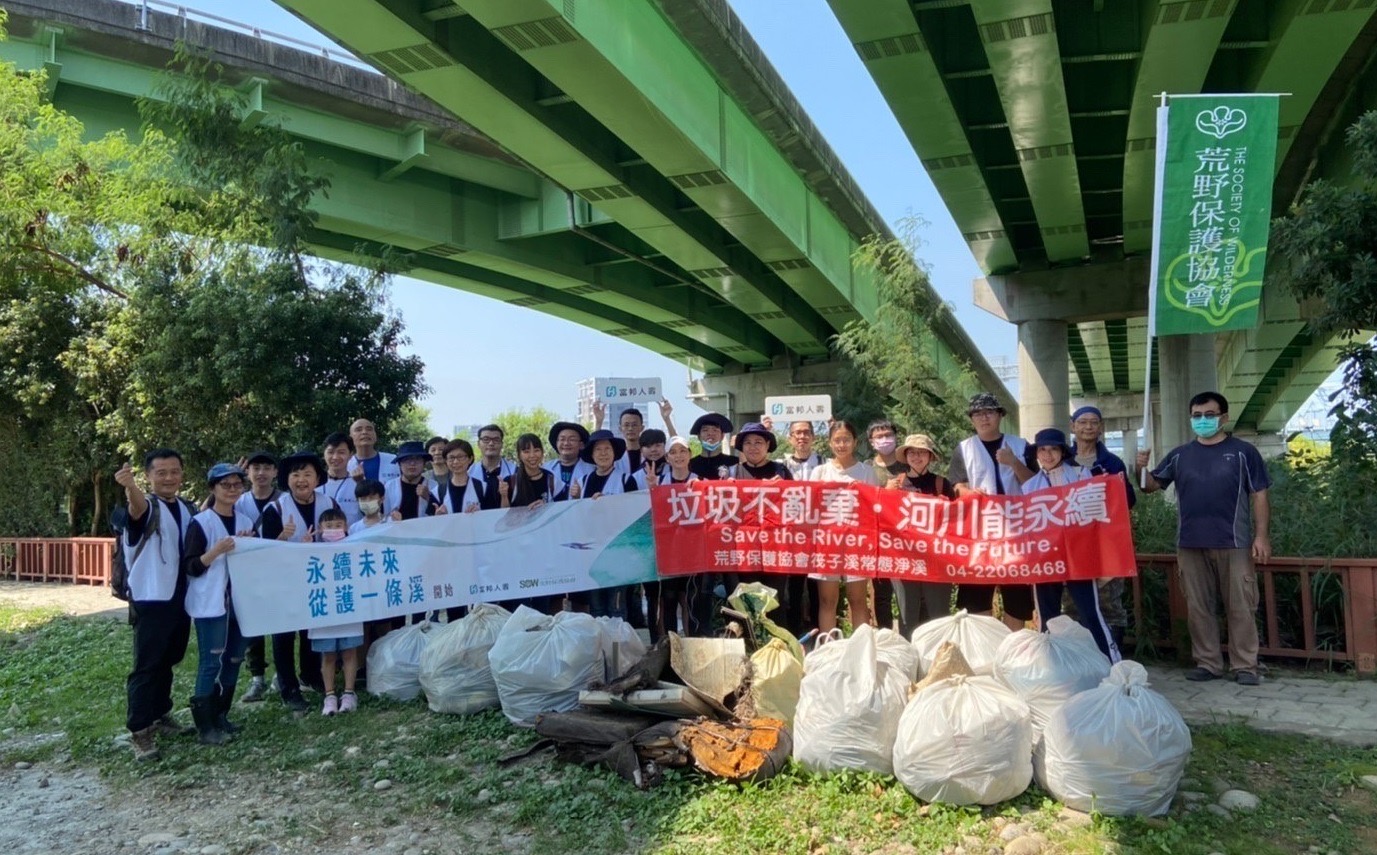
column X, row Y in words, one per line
column 1159, row 174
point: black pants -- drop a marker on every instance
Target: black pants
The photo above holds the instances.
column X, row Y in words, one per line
column 256, row 657
column 884, row 603
column 161, row 631
column 284, row 658
column 800, row 603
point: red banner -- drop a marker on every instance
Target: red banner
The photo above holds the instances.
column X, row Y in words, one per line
column 1080, row 531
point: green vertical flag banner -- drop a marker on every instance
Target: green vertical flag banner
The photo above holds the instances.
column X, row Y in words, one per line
column 1214, row 210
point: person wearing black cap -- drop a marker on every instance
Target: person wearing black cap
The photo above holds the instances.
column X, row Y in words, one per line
column 569, row 440
column 602, row 452
column 712, row 464
column 408, row 497
column 295, row 517
column 1057, row 466
column 262, row 470
column 991, row 463
column 210, row 538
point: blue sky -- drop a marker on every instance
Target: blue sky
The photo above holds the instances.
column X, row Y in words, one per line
column 462, row 337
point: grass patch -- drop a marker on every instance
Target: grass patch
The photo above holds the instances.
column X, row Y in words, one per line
column 61, row 674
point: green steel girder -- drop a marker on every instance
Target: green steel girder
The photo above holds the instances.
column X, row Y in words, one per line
column 1176, row 58
column 469, row 71
column 1116, row 334
column 660, row 99
column 554, row 301
column 1020, row 38
column 1081, row 371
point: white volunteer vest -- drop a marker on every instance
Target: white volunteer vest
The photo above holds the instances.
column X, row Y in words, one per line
column 392, row 498
column 980, row 469
column 341, row 490
column 582, row 469
column 472, row 495
column 205, row 594
column 248, row 507
column 615, row 486
column 286, row 506
column 1040, row 481
column 387, row 466
column 153, row 575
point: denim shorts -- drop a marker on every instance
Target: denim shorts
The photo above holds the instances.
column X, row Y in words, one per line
column 336, row 645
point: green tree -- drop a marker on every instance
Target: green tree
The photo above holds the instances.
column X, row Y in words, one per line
column 516, row 421
column 411, row 425
column 1325, row 250
column 159, row 292
column 889, row 364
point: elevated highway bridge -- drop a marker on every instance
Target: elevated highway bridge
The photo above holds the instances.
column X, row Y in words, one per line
column 664, row 189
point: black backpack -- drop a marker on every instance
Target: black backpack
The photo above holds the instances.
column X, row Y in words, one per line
column 119, row 571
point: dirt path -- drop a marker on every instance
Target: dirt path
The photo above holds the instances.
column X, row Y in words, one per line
column 71, row 599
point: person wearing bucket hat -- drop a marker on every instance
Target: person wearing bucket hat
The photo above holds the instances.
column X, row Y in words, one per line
column 920, row 602
column 570, row 441
column 1057, row 467
column 295, row 517
column 209, row 538
column 991, row 463
column 756, row 443
column 712, row 430
column 409, row 496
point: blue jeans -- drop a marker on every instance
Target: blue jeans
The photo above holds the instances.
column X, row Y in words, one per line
column 221, row 647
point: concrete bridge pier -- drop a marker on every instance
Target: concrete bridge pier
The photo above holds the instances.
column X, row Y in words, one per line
column 1187, row 365
column 1044, row 389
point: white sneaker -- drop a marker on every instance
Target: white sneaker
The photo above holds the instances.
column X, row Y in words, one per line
column 331, row 705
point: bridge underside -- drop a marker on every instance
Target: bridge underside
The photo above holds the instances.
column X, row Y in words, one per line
column 681, row 227
column 1035, row 120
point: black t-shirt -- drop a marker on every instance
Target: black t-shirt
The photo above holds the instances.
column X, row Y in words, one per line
column 992, row 447
column 707, row 467
column 767, row 470
column 633, row 457
column 927, row 485
column 410, row 505
column 595, row 484
column 526, row 490
column 490, row 495
column 453, row 494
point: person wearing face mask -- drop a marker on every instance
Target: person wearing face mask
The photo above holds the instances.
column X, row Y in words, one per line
column 339, row 644
column 883, row 437
column 1217, row 478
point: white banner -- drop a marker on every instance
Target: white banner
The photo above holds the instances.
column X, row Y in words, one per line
column 798, row 408
column 627, row 390
column 437, row 562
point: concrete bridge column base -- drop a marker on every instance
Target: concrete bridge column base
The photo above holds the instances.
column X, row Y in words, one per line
column 741, row 396
column 1188, row 367
column 1044, row 386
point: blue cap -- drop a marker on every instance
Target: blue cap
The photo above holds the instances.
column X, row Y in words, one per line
column 221, row 471
column 1087, row 411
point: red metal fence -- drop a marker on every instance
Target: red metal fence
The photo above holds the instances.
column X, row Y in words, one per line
column 1312, row 608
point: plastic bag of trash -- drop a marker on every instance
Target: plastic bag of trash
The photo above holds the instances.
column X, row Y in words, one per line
column 977, row 636
column 1047, row 668
column 394, row 662
column 621, row 646
column 455, row 673
column 540, row 662
column 1119, row 748
column 849, row 707
column 775, row 679
column 756, row 600
column 964, row 740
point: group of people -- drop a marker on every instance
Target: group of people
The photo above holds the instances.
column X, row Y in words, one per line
column 178, row 578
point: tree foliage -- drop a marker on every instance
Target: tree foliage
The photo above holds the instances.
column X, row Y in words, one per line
column 159, row 292
column 1325, row 250
column 889, row 366
column 516, row 421
column 411, row 425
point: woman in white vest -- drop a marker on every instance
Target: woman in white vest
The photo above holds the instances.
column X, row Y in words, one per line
column 1056, row 467
column 209, row 539
column 152, row 548
column 991, row 463
column 295, row 517
column 602, row 452
column 408, row 496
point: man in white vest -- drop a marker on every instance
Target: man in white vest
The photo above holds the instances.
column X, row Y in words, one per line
column 991, row 463
column 153, row 545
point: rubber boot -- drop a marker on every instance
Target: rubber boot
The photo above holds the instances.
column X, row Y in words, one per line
column 203, row 713
column 223, row 702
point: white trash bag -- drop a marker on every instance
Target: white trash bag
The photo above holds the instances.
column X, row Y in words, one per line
column 977, row 636
column 621, row 647
column 540, row 663
column 963, row 741
column 1119, row 748
column 1047, row 668
column 455, row 673
column 394, row 662
column 849, row 707
column 892, row 648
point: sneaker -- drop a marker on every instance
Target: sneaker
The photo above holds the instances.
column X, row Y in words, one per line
column 1247, row 678
column 168, row 725
column 295, row 702
column 348, row 702
column 1201, row 675
column 331, row 705
column 258, row 689
column 145, row 745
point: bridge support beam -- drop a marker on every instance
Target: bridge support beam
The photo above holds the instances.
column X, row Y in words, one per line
column 1044, row 388
column 740, row 395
